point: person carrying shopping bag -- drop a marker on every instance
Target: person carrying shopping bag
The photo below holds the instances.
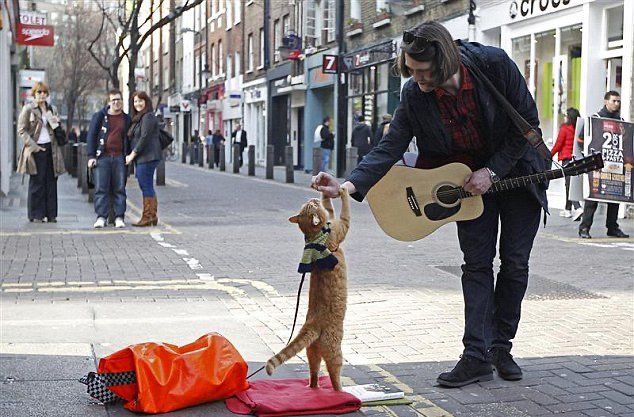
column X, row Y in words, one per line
column 41, row 157
column 146, row 154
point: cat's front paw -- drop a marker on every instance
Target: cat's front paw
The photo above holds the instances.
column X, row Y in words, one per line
column 343, row 191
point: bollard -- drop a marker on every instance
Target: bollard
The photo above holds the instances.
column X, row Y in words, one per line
column 192, row 148
column 212, row 156
column 236, row 158
column 208, row 150
column 251, row 156
column 316, row 160
column 160, row 172
column 223, row 158
column 184, row 154
column 351, row 159
column 270, row 160
column 288, row 161
column 84, row 170
column 201, row 155
column 73, row 159
column 81, row 165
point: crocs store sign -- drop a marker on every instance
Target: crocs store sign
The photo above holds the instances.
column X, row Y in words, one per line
column 521, row 9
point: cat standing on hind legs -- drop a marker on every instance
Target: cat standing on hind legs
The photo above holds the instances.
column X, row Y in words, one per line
column 322, row 332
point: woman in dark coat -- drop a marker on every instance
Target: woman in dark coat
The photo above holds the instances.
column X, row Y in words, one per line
column 146, row 154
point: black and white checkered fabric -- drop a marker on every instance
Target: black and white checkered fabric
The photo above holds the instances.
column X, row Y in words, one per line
column 97, row 384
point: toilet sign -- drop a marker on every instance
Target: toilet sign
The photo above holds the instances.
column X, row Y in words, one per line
column 33, row 30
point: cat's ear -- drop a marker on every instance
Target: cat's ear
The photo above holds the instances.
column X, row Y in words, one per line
column 316, row 220
column 294, row 219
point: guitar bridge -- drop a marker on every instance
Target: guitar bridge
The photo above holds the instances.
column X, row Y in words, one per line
column 413, row 202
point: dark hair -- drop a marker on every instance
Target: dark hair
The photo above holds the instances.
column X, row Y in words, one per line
column 572, row 114
column 143, row 96
column 611, row 93
column 209, row 131
column 326, row 119
column 440, row 50
column 114, row 92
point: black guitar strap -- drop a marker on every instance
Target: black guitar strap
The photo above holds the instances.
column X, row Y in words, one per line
column 532, row 136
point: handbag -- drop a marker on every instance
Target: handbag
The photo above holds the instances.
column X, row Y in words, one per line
column 165, row 138
column 60, row 136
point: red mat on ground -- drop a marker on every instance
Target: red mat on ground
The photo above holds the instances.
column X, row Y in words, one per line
column 291, row 397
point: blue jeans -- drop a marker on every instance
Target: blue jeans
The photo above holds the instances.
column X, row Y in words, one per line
column 145, row 175
column 110, row 178
column 325, row 159
column 492, row 312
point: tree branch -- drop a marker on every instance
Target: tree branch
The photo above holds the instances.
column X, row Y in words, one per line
column 169, row 18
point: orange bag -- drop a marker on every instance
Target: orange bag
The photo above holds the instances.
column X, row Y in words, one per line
column 169, row 377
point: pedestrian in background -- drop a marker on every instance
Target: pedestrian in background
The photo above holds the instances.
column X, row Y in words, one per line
column 563, row 147
column 361, row 138
column 239, row 136
column 217, row 140
column 382, row 129
column 107, row 146
column 72, row 135
column 146, row 154
column 41, row 157
column 327, row 144
column 83, row 135
column 611, row 110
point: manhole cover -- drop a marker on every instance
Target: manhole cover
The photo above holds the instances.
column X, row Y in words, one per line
column 539, row 287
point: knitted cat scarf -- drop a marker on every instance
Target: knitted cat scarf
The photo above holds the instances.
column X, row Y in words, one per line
column 316, row 253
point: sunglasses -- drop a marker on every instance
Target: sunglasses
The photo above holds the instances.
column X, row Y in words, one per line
column 41, row 92
column 410, row 38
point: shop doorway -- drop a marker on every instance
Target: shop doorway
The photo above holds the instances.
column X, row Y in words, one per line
column 279, row 127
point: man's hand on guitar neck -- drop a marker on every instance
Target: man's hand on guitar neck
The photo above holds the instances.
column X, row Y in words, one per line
column 329, row 186
column 478, row 182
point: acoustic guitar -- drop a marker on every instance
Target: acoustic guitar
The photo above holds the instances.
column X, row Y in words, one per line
column 411, row 203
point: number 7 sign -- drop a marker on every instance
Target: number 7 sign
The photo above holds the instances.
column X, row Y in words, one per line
column 329, row 64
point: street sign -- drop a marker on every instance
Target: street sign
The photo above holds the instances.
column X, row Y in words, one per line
column 186, row 105
column 329, row 64
column 32, row 29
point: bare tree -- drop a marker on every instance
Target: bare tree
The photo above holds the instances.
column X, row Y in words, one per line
column 72, row 70
column 125, row 18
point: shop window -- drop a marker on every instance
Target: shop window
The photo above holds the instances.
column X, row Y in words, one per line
column 544, row 79
column 570, row 81
column 614, row 74
column 614, row 29
column 522, row 55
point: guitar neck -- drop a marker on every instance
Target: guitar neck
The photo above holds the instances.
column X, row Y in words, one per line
column 517, row 182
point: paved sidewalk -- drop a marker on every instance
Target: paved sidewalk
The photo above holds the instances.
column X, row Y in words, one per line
column 224, row 259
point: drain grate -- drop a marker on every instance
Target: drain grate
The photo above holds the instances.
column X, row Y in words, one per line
column 539, row 287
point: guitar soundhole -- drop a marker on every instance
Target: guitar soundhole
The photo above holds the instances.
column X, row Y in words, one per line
column 446, row 195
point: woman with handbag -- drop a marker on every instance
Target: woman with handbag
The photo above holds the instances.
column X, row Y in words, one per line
column 146, row 154
column 41, row 157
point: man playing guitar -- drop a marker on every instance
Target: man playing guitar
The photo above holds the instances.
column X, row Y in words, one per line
column 455, row 117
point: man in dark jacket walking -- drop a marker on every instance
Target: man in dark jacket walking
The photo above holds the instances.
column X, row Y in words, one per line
column 107, row 147
column 361, row 138
column 239, row 137
column 327, row 144
column 611, row 110
column 454, row 117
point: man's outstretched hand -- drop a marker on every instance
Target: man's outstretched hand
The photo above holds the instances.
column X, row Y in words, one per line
column 327, row 184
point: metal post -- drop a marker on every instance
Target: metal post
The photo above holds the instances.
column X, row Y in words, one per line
column 351, row 159
column 73, row 159
column 160, row 173
column 288, row 161
column 212, row 156
column 251, row 156
column 270, row 160
column 184, row 154
column 84, row 170
column 223, row 158
column 316, row 160
column 342, row 90
column 192, row 148
column 236, row 158
column 81, row 164
column 201, row 159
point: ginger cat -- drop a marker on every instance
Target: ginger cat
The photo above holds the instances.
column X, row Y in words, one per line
column 322, row 331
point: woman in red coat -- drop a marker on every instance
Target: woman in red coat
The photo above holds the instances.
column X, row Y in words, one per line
column 563, row 147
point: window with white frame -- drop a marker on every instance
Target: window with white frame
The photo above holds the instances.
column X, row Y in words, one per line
column 250, row 52
column 229, row 66
column 311, row 25
column 277, row 39
column 229, row 14
column 221, row 70
column 355, row 9
column 237, row 11
column 261, row 48
column 237, row 63
column 214, row 61
column 329, row 21
column 381, row 5
column 285, row 25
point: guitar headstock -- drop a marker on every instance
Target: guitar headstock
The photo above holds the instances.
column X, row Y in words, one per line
column 581, row 166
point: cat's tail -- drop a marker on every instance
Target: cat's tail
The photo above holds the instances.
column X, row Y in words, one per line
column 305, row 337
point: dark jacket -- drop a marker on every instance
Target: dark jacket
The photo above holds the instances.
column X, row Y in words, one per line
column 217, row 140
column 327, row 138
column 362, row 139
column 145, row 139
column 418, row 115
column 378, row 134
column 98, row 132
column 243, row 141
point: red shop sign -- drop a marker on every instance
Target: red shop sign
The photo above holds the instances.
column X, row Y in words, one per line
column 37, row 35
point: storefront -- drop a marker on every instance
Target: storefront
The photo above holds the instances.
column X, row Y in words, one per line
column 320, row 102
column 373, row 87
column 570, row 52
column 255, row 116
column 279, row 78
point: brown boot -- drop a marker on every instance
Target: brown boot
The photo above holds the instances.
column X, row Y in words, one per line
column 153, row 209
column 145, row 219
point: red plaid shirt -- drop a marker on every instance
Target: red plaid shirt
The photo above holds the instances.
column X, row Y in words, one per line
column 461, row 116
